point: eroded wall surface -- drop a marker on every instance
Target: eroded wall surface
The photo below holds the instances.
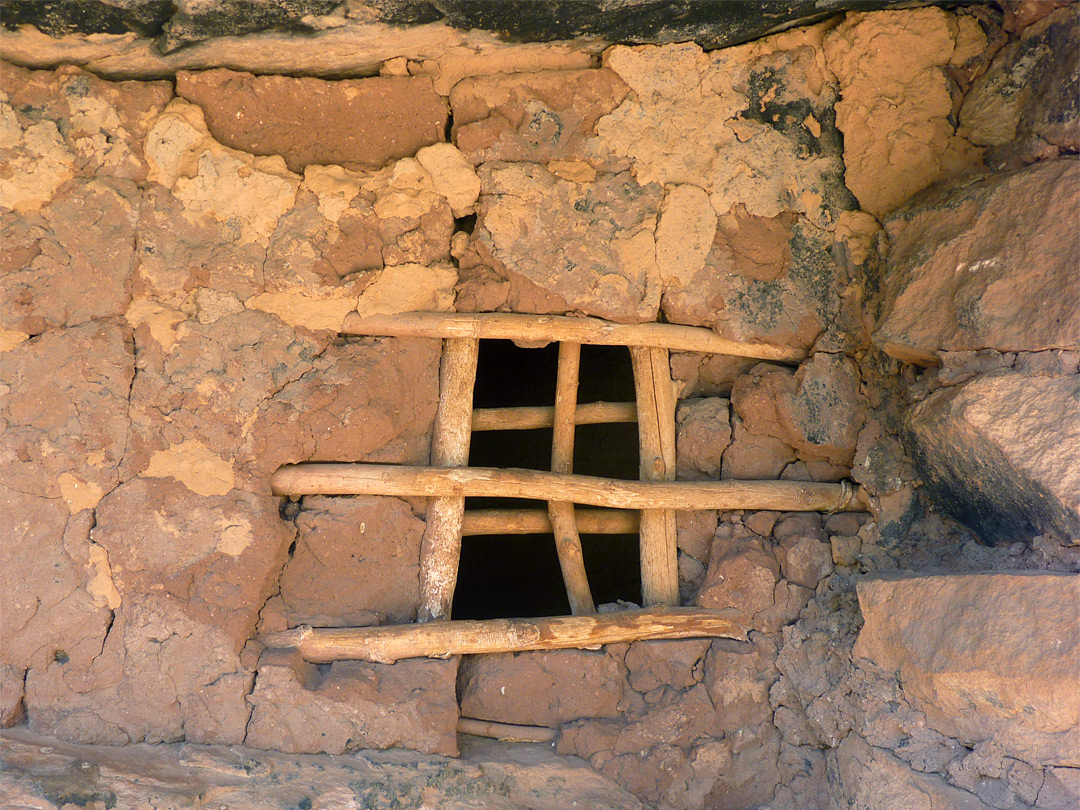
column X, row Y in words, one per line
column 893, row 193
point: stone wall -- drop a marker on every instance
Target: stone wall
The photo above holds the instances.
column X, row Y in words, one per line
column 180, row 254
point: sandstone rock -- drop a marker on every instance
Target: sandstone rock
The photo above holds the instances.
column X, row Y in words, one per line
column 806, row 561
column 488, row 773
column 845, row 549
column 351, row 122
column 606, row 269
column 541, row 688
column 707, row 375
column 985, row 656
column 999, row 454
column 763, row 280
column 297, row 708
column 738, row 677
column 968, row 266
column 873, row 779
column 703, row 432
column 354, row 557
column 73, row 264
column 900, row 89
column 818, row 411
column 751, row 457
column 158, row 676
column 742, row 578
column 695, row 531
column 678, row 664
column 532, row 117
column 1029, row 92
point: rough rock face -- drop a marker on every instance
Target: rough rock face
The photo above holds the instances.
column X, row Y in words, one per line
column 48, row 774
column 873, row 779
column 607, row 268
column 1026, row 105
column 895, row 100
column 537, row 117
column 703, row 432
column 968, row 266
column 985, row 656
column 356, row 123
column 542, row 689
column 299, row 707
column 999, row 455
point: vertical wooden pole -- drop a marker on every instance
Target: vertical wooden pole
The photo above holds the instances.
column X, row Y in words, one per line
column 563, row 521
column 440, row 551
column 656, row 433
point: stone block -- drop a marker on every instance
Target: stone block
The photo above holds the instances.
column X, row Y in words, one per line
column 969, row 264
column 356, row 123
column 541, row 688
column 998, row 454
column 300, row 708
column 989, row 656
column 703, row 433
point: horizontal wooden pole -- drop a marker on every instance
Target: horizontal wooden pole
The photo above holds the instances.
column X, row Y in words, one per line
column 536, row 521
column 543, row 416
column 441, row 639
column 507, row 732
column 519, row 326
column 488, row 482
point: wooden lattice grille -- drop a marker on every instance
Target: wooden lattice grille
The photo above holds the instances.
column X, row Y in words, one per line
column 656, row 496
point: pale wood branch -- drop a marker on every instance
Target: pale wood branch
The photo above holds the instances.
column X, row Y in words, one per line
column 656, row 432
column 506, row 732
column 518, row 326
column 442, row 639
column 488, row 482
column 563, row 524
column 531, row 417
column 537, row 521
column 440, row 550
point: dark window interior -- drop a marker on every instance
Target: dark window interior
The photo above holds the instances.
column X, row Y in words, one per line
column 518, row 575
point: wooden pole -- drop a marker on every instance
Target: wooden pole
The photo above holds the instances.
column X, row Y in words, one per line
column 390, row 643
column 532, row 417
column 656, row 435
column 549, row 328
column 537, row 521
column 563, row 523
column 440, row 550
column 488, row 482
column 506, row 732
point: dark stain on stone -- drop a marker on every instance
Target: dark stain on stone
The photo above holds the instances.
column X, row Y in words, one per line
column 80, row 785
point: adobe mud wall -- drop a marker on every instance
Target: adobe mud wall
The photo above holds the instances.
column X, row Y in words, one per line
column 893, row 193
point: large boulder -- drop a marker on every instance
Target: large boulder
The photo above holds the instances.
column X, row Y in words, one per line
column 985, row 656
column 989, row 264
column 998, row 453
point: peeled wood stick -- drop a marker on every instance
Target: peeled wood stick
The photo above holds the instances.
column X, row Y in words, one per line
column 517, row 326
column 490, row 482
column 440, row 550
column 506, row 732
column 656, row 432
column 563, row 524
column 537, row 521
column 532, row 417
column 387, row 644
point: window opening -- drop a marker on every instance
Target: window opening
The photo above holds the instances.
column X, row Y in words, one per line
column 518, row 575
